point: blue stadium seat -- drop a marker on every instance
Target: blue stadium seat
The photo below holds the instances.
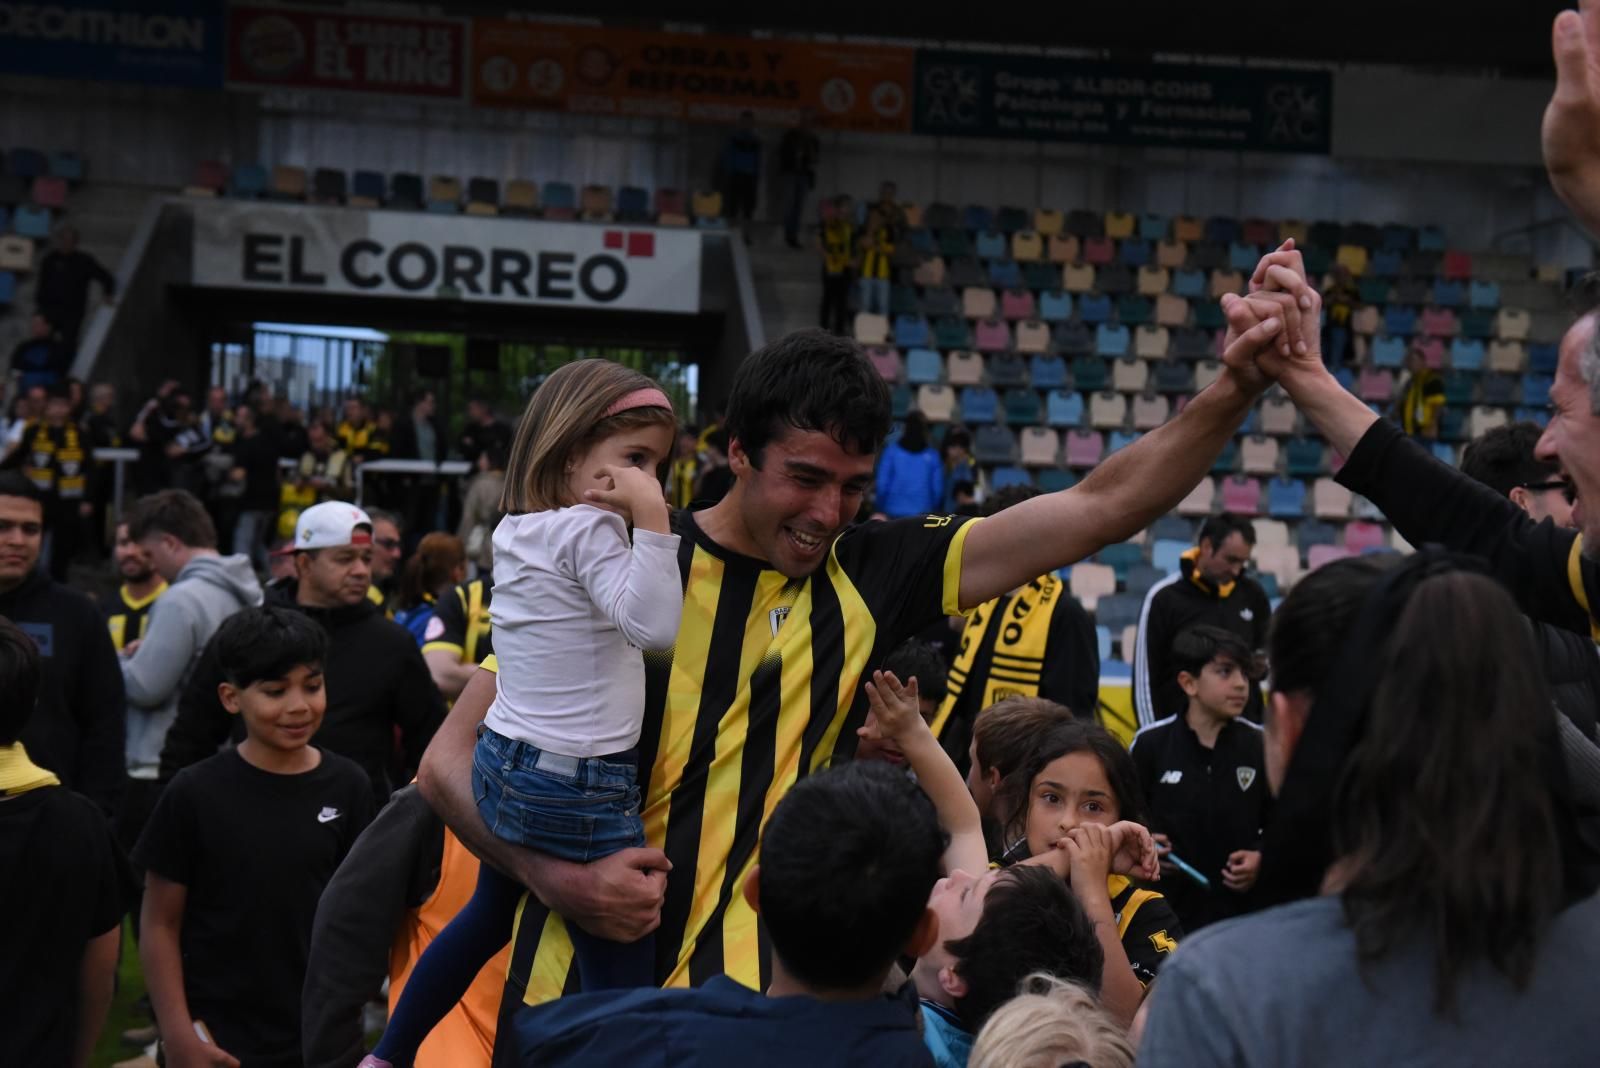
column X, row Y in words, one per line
column 1117, row 611
column 1173, row 376
column 1399, row 238
column 1006, row 477
column 1303, row 457
column 1005, row 274
column 1400, row 320
column 924, row 366
column 560, row 199
column 247, row 180
column 1542, row 357
column 1484, row 295
column 1536, row 390
column 992, row 245
column 1388, row 351
column 1460, row 387
column 900, row 401
column 1135, row 252
column 939, row 301
column 1443, row 452
column 993, row 445
column 29, row 221
column 1073, row 338
column 1499, row 391
column 1166, row 552
column 67, row 166
column 910, row 331
column 1190, row 284
column 1152, row 227
column 1120, row 439
column 1120, row 558
column 1386, row 263
column 8, row 288
column 1055, row 306
column 1430, row 239
column 1064, row 408
column 1286, row 498
column 1047, row 372
column 1221, row 230
column 1242, row 257
column 1116, row 669
column 979, row 405
column 1540, row 417
column 1312, row 532
column 1449, row 294
column 369, row 185
column 1227, row 460
column 1466, row 354
column 1102, row 638
column 633, row 204
column 921, row 239
column 1094, row 308
column 1141, row 577
column 977, row 217
column 27, row 162
column 1112, row 341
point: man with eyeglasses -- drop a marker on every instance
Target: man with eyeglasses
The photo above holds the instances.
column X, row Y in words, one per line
column 77, row 730
column 1503, row 460
column 388, row 551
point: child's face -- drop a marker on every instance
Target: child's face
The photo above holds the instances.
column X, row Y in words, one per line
column 958, row 900
column 282, row 714
column 883, row 748
column 1221, row 690
column 1070, row 790
column 645, row 447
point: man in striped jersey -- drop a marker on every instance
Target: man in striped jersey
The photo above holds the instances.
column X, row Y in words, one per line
column 785, row 606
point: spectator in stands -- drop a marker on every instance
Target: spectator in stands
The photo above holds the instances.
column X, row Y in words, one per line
column 358, row 434
column 77, row 730
column 1203, row 778
column 1408, row 739
column 175, row 532
column 1420, row 396
column 685, row 469
column 797, row 165
column 294, row 440
column 480, row 508
column 216, row 422
column 914, row 661
column 1210, row 588
column 325, row 473
column 61, row 904
column 101, row 430
column 838, row 241
column 1036, row 641
column 716, row 477
column 741, row 166
column 388, row 555
column 54, row 457
column 835, row 934
column 434, row 571
column 255, row 474
column 956, row 452
column 1340, row 298
column 41, row 358
column 1502, row 459
column 62, row 294
column 27, row 408
column 404, row 879
column 483, row 430
column 378, row 685
column 239, row 849
column 419, row 436
column 888, row 205
column 875, row 262
column 1051, row 1023
column 462, row 635
column 910, row 475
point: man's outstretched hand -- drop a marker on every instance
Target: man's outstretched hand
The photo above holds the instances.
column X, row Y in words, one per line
column 1278, row 291
column 1571, row 131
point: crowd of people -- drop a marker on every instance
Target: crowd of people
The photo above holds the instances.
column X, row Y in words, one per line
column 735, row 748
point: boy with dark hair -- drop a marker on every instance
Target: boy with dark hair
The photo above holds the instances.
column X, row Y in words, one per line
column 61, row 897
column 914, row 660
column 1204, row 776
column 239, row 849
column 846, row 865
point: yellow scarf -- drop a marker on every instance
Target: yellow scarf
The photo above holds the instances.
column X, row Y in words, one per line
column 1017, row 658
column 1223, row 591
column 18, row 774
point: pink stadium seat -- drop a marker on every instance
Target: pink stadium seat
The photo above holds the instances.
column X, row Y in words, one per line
column 1224, row 282
column 1199, row 500
column 1360, row 537
column 1432, row 351
column 929, row 273
column 1375, row 385
column 1171, row 310
column 1241, row 495
column 993, row 335
column 1033, row 336
column 1325, row 554
column 1099, row 250
column 1329, row 500
column 1084, row 449
column 671, row 209
column 1017, row 304
column 1172, row 254
column 50, row 192
column 886, row 362
column 1440, row 322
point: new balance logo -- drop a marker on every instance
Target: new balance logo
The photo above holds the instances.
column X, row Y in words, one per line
column 328, row 815
column 1171, row 778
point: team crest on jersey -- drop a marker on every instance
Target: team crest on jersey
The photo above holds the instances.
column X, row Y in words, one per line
column 1246, row 776
column 1246, row 615
column 776, row 618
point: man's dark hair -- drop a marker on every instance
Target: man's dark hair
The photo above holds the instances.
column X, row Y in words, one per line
column 1217, row 529
column 847, row 862
column 16, row 484
column 1311, row 624
column 923, row 662
column 808, row 380
column 1031, row 923
column 175, row 512
column 19, row 680
column 1009, row 497
column 1502, row 458
column 1196, row 647
column 259, row 644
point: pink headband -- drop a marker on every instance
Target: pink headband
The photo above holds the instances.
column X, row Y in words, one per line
column 649, row 397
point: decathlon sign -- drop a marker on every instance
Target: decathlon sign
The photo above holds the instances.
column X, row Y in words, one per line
column 422, row 256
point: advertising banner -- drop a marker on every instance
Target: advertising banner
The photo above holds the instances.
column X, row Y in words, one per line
column 301, row 48
column 242, row 245
column 981, row 94
column 152, row 42
column 635, row 73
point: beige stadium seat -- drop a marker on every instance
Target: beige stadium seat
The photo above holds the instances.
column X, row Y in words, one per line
column 1205, row 373
column 1280, row 561
column 964, row 368
column 1508, row 357
column 1048, row 222
column 1153, row 281
column 1090, row 582
column 1485, row 419
column 1366, row 320
column 938, row 403
column 1259, row 455
column 1278, row 416
column 1513, row 324
column 16, row 254
column 1172, row 254
column 1171, row 310
column 1027, row 246
column 289, row 182
column 1064, row 248
column 521, row 197
column 1129, row 375
column 1150, row 410
column 1329, row 500
column 1033, row 336
column 929, row 273
column 1271, row 532
column 871, row 329
column 1077, row 278
column 1225, row 282
column 977, row 302
column 1108, row 411
column 1040, row 447
column 1200, row 499
column 1151, row 342
column 594, row 204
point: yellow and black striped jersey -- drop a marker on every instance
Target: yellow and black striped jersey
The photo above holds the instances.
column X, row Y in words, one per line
column 762, row 688
column 461, row 624
column 128, row 616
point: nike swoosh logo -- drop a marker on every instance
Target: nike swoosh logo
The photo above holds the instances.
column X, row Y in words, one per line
column 328, row 817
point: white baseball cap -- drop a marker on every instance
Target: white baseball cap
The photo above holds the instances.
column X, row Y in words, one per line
column 330, row 525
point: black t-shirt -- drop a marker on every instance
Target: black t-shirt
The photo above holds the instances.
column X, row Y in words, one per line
column 258, row 456
column 62, row 881
column 254, row 849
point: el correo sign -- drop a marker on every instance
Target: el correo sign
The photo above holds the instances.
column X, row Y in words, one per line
column 418, row 255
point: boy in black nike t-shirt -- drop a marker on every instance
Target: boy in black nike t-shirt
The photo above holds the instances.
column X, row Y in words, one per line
column 239, row 849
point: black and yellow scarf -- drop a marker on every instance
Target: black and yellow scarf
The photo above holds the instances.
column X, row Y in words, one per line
column 1019, row 646
column 55, row 460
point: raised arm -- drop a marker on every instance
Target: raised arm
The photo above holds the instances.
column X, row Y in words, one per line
column 897, row 717
column 1571, row 131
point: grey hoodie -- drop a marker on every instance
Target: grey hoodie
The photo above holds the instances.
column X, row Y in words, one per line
column 208, row 590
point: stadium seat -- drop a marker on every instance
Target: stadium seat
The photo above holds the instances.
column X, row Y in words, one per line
column 1094, row 309
column 368, row 189
column 1388, row 351
column 670, row 209
column 1006, row 369
column 444, row 195
column 1304, row 458
column 1027, row 246
column 1375, row 385
column 705, row 207
column 1197, row 502
column 1150, row 410
column 1220, row 230
column 1165, row 553
column 1140, row 579
column 1499, row 390
column 1135, row 252
column 910, row 331
column 977, row 217
column 1208, row 315
column 633, row 204
column 1077, row 278
column 327, row 186
column 1312, row 532
column 8, row 288
column 1064, row 408
column 1090, row 582
column 1055, row 479
column 1063, row 249
column 1286, row 498
column 937, row 402
column 1440, row 322
column 210, row 179
column 248, row 180
column 1510, row 357
column 1241, row 495
column 992, row 335
column 1205, row 373
column 1243, row 257
column 1329, row 500
column 1134, row 310
column 900, row 400
column 1083, row 448
column 1366, row 321
column 1118, row 440
column 1477, row 322
column 1485, row 419
column 1040, row 447
column 1189, row 284
column 1129, row 375
column 1005, row 274
column 1352, row 258
column 1112, row 341
column 1047, row 372
column 406, row 191
column 1362, row 537
column 29, row 221
column 1017, row 304
column 1278, row 416
column 922, row 365
column 1171, row 311
column 992, row 444
column 1006, row 476
column 991, row 245
column 1259, row 455
column 1153, row 281
column 1172, row 376
column 964, row 368
column 886, row 361
column 49, row 192
column 1536, row 390
column 1321, row 555
column 1048, row 221
column 594, row 204
column 1120, row 558
column 1188, row 228
column 980, row 404
column 1055, row 306
column 1513, row 324
column 1152, row 226
column 1448, row 294
column 1172, row 255
column 1116, row 280
column 1073, row 338
column 1194, row 344
column 1225, row 282
column 1467, row 354
column 938, row 216
column 1457, row 265
column 1107, row 410
column 871, row 329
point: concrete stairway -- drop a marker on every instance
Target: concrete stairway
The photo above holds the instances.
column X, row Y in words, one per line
column 788, row 282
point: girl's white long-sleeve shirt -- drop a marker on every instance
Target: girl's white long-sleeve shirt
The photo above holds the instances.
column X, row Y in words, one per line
column 574, row 603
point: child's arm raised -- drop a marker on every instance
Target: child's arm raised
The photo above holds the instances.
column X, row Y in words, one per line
column 898, row 718
column 160, row 923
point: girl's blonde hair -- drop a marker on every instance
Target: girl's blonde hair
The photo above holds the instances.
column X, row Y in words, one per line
column 1048, row 1024
column 565, row 415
